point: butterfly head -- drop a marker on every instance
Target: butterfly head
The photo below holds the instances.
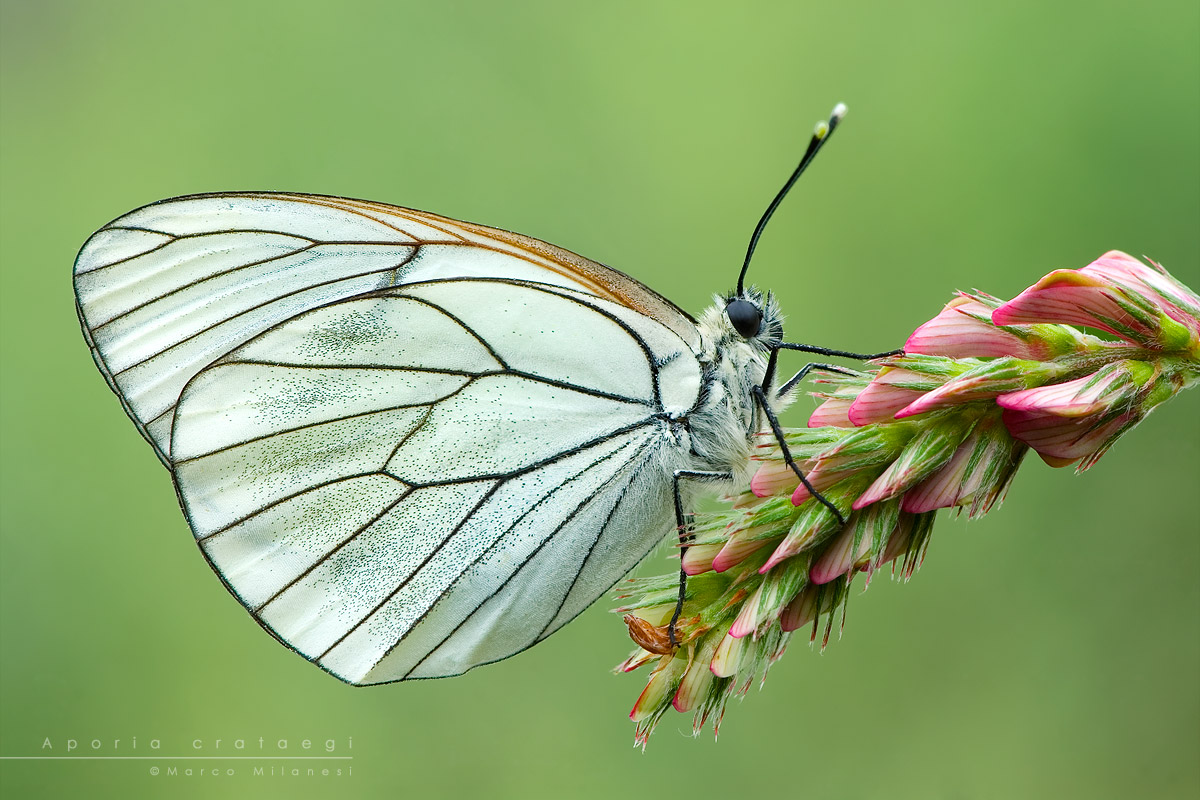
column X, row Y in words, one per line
column 753, row 317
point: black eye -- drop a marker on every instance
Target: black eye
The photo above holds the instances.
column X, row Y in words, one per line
column 745, row 317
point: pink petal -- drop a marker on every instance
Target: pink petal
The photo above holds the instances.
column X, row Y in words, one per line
column 838, row 559
column 637, row 659
column 898, row 541
column 834, row 411
column 747, row 620
column 963, row 330
column 819, row 479
column 959, row 390
column 662, row 681
column 881, row 399
column 699, row 557
column 696, row 682
column 897, row 478
column 736, row 550
column 801, row 611
column 1072, row 297
column 1068, row 399
column 1056, row 462
column 1161, row 287
column 949, row 486
column 1067, row 438
column 725, row 660
column 773, row 477
column 786, row 549
column 1122, row 267
column 797, row 540
column 882, row 488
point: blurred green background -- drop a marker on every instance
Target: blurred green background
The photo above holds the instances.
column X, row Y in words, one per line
column 1051, row 650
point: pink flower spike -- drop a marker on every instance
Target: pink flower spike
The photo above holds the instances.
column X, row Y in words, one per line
column 834, row 411
column 773, row 477
column 1074, row 297
column 963, row 329
column 882, row 397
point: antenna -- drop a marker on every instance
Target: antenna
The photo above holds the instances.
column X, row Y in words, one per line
column 821, row 134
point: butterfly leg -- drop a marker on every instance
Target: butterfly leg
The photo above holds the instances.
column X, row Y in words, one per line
column 787, row 453
column 791, row 382
column 769, row 377
column 683, row 523
column 825, row 351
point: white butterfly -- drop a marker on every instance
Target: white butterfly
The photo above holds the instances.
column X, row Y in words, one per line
column 411, row 445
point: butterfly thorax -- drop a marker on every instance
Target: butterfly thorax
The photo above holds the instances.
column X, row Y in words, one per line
column 727, row 418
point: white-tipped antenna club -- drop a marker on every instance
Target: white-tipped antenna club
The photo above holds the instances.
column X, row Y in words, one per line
column 820, row 135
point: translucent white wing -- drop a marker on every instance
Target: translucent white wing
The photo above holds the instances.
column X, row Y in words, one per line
column 402, row 479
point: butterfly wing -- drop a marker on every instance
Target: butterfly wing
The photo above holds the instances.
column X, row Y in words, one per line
column 408, row 445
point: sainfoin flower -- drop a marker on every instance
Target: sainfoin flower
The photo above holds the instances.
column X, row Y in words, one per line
column 943, row 426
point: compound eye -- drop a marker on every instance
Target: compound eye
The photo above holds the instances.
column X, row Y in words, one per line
column 745, row 317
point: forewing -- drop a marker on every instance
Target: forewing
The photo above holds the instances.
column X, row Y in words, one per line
column 427, row 478
column 169, row 289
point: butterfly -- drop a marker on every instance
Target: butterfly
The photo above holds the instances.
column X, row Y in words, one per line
column 411, row 445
